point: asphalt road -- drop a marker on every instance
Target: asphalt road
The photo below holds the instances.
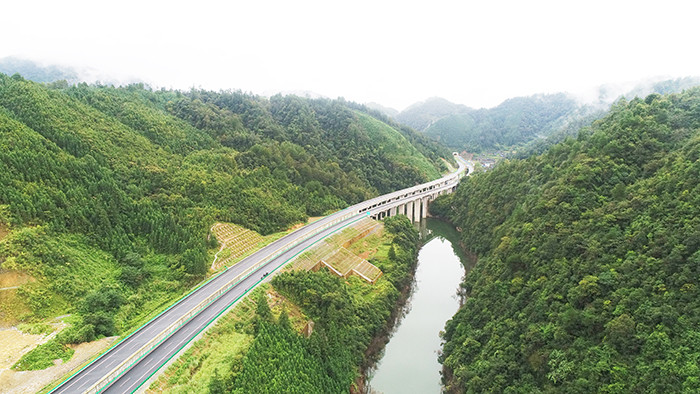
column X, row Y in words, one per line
column 143, row 370
column 150, row 363
column 99, row 368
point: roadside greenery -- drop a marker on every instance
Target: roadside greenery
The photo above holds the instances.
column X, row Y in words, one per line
column 43, row 356
column 108, row 193
column 587, row 279
column 347, row 314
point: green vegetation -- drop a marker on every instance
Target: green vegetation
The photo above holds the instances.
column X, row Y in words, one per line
column 347, row 314
column 394, row 146
column 36, row 328
column 43, row 356
column 514, row 122
column 421, row 115
column 109, row 193
column 223, row 345
column 587, row 279
column 528, row 124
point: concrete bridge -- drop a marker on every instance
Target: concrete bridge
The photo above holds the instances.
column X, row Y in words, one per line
column 413, row 201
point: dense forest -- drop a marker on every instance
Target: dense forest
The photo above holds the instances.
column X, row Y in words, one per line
column 108, row 193
column 589, row 261
column 514, row 122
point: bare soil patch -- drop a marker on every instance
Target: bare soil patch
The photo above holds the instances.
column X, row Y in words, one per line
column 4, row 230
column 13, row 279
column 14, row 343
column 33, row 381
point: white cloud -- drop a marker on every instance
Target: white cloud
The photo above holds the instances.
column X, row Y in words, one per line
column 391, row 52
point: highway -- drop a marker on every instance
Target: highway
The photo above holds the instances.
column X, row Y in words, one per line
column 127, row 365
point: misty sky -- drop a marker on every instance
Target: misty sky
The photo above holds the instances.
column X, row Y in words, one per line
column 476, row 53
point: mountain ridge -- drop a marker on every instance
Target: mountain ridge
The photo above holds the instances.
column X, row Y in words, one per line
column 587, row 275
column 130, row 179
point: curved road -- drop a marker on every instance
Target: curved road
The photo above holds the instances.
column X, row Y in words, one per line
column 269, row 258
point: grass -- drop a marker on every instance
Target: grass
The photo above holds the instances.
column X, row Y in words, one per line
column 239, row 243
column 4, row 230
column 13, row 308
column 450, row 168
column 325, row 249
column 43, row 356
column 36, row 328
column 343, row 260
column 369, row 246
column 334, row 251
column 193, row 371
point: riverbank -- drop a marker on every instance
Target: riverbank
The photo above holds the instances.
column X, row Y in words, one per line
column 408, row 361
column 376, row 347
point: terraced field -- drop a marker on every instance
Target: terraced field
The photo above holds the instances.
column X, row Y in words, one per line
column 367, row 271
column 236, row 242
column 333, row 254
column 354, row 233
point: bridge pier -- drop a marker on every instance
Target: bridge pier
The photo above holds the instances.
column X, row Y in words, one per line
column 416, row 210
column 424, row 208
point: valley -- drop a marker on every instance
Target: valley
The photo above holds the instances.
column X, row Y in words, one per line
column 170, row 240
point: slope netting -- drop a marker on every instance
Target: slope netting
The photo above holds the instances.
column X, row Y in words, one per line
column 332, row 253
column 235, row 240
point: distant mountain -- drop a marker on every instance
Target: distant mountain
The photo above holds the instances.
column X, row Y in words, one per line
column 515, row 121
column 607, row 95
column 36, row 72
column 390, row 112
column 421, row 115
column 529, row 123
column 663, row 87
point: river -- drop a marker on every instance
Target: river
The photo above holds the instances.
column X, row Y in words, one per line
column 409, row 361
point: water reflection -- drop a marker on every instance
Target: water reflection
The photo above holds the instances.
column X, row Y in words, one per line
column 409, row 363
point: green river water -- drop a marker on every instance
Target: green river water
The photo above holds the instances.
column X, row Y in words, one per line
column 409, row 362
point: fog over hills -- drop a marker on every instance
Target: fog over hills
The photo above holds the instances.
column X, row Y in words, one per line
column 36, row 72
column 47, row 73
column 391, row 112
column 527, row 122
column 535, row 120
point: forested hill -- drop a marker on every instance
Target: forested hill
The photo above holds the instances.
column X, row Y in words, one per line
column 421, row 115
column 528, row 124
column 589, row 261
column 514, row 122
column 134, row 178
column 36, row 72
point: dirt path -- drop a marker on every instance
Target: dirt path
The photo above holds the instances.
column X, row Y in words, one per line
column 15, row 343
